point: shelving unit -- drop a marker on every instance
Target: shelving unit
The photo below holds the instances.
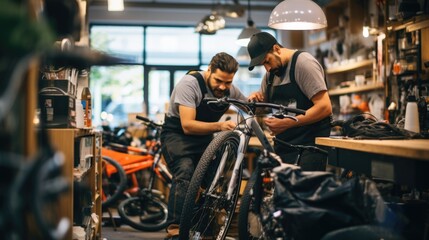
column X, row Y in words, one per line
column 341, row 81
column 85, row 214
column 350, row 66
column 356, row 89
column 407, row 40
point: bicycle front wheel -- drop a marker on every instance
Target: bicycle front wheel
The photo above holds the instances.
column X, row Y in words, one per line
column 208, row 210
column 144, row 213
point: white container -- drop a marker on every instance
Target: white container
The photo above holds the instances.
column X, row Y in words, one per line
column 79, row 114
column 412, row 115
column 360, row 80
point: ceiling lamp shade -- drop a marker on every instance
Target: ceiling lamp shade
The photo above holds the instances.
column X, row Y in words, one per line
column 297, row 15
column 245, row 35
column 210, row 24
column 115, row 5
column 243, row 55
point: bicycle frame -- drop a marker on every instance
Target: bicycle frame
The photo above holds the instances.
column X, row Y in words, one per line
column 245, row 131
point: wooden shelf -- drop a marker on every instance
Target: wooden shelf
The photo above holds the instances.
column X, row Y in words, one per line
column 412, row 24
column 351, row 66
column 64, row 140
column 355, row 89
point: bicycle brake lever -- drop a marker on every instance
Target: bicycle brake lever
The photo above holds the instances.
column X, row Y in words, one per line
column 282, row 116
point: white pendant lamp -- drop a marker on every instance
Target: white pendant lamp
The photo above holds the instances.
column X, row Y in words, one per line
column 245, row 35
column 297, row 15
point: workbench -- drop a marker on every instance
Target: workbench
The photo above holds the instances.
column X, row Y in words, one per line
column 403, row 161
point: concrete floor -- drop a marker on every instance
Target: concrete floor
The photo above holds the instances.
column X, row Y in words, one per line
column 125, row 232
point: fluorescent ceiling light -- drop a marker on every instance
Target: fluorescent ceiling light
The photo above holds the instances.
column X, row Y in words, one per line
column 297, row 15
column 115, row 5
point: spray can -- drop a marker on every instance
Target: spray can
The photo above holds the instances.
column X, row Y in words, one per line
column 87, row 108
column 412, row 115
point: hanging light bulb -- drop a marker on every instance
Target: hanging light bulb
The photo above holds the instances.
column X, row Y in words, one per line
column 297, row 15
column 365, row 31
column 365, row 27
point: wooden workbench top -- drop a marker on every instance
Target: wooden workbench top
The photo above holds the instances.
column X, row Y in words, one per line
column 410, row 148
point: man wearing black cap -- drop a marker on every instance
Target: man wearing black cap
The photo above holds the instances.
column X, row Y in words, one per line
column 294, row 79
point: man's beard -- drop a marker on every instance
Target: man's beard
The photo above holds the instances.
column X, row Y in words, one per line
column 279, row 71
column 216, row 91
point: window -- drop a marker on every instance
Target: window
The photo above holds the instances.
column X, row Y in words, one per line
column 120, row 41
column 116, row 92
column 171, row 46
column 158, row 57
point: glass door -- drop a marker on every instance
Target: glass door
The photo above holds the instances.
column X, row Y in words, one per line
column 161, row 81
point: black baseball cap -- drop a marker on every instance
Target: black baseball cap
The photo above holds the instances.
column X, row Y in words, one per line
column 260, row 44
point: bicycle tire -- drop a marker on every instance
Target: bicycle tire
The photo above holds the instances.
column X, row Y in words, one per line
column 113, row 186
column 256, row 216
column 144, row 213
column 248, row 205
column 211, row 212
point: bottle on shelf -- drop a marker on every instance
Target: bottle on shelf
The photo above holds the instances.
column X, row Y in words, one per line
column 87, row 108
column 412, row 115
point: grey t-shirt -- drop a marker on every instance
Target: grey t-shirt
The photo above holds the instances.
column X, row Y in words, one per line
column 309, row 76
column 187, row 93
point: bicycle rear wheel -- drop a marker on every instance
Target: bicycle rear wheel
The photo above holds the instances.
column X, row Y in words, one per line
column 208, row 213
column 113, row 185
column 256, row 216
column 250, row 207
column 144, row 213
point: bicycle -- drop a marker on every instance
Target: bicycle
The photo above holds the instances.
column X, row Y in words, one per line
column 258, row 218
column 145, row 209
column 214, row 188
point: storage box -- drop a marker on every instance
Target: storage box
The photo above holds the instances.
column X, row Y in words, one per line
column 58, row 111
column 63, row 86
column 63, row 81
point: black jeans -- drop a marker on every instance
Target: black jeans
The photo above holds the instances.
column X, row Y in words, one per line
column 181, row 154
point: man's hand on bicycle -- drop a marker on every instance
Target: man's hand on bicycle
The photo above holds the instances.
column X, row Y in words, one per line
column 256, row 97
column 278, row 125
column 227, row 125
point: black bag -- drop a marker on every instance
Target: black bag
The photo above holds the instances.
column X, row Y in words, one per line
column 314, row 203
column 361, row 127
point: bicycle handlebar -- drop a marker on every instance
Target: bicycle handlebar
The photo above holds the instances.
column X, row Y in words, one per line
column 250, row 105
column 147, row 121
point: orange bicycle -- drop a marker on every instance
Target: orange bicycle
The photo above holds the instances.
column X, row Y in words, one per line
column 123, row 166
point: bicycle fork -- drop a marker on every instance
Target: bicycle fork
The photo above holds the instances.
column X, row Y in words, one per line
column 240, row 156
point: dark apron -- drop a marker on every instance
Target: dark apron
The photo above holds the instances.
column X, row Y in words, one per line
column 287, row 94
column 177, row 143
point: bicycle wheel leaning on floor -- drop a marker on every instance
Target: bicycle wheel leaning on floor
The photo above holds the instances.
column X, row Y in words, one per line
column 114, row 181
column 208, row 207
column 146, row 212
